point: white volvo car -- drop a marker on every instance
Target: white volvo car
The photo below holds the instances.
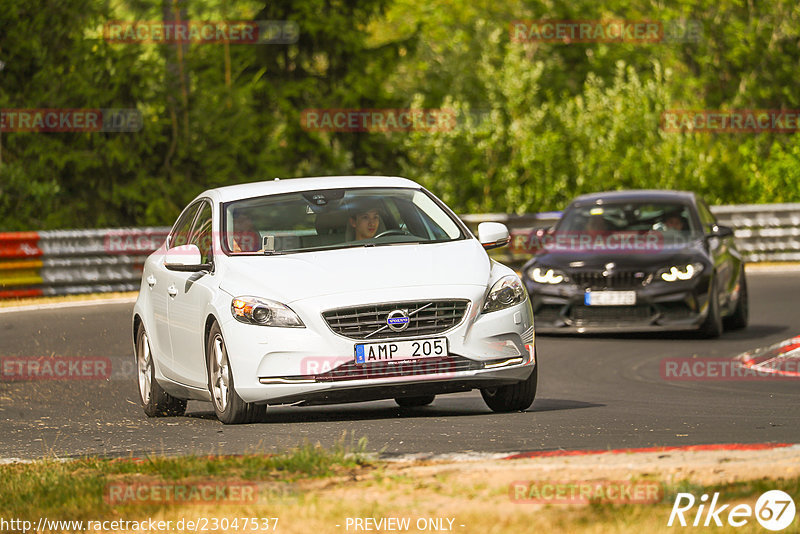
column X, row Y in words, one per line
column 328, row 290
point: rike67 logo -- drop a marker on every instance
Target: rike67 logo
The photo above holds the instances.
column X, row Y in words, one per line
column 774, row 510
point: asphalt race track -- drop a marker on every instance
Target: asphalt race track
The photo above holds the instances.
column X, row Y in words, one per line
column 594, row 393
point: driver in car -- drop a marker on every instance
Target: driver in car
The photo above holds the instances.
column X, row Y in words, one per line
column 365, row 223
column 674, row 221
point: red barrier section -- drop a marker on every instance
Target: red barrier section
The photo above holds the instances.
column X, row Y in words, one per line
column 19, row 245
column 20, row 293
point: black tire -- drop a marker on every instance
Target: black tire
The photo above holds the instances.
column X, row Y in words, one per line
column 228, row 405
column 740, row 316
column 414, row 402
column 712, row 326
column 515, row 397
column 155, row 401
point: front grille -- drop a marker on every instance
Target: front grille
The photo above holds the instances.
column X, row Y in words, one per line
column 548, row 313
column 675, row 310
column 425, row 318
column 428, row 366
column 610, row 314
column 614, row 280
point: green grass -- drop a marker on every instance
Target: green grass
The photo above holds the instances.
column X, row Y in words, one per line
column 312, row 489
column 75, row 489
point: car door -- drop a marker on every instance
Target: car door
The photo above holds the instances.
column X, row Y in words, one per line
column 159, row 279
column 190, row 295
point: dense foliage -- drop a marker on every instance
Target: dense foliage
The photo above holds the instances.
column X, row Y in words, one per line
column 536, row 123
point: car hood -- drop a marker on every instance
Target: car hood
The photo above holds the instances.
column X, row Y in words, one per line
column 644, row 261
column 291, row 277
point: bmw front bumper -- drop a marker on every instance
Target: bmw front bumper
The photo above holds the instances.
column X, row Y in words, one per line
column 660, row 306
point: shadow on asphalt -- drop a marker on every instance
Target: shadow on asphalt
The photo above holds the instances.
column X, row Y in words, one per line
column 550, row 405
column 329, row 415
column 752, row 332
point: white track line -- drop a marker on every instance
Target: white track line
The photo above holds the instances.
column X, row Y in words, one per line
column 70, row 304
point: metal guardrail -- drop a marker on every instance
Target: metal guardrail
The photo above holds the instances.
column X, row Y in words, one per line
column 66, row 262
column 764, row 232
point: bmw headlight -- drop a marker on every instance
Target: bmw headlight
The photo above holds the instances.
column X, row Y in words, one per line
column 505, row 293
column 264, row 312
column 544, row 275
column 680, row 272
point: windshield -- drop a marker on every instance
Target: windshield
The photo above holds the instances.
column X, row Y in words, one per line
column 630, row 217
column 623, row 227
column 334, row 218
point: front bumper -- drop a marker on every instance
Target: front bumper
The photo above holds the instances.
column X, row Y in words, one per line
column 313, row 365
column 660, row 306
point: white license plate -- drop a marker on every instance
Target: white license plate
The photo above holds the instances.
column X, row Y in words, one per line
column 609, row 298
column 401, row 350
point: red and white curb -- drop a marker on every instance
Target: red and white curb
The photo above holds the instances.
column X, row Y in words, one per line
column 470, row 456
column 782, row 358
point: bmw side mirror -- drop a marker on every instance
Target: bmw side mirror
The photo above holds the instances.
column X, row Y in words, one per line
column 720, row 231
column 185, row 258
column 493, row 235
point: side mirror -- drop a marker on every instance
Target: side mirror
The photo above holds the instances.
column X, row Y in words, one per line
column 720, row 231
column 493, row 235
column 185, row 258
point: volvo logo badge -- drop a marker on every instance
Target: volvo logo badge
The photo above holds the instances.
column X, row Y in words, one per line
column 397, row 320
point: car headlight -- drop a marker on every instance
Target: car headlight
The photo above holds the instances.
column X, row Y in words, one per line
column 264, row 312
column 542, row 275
column 680, row 272
column 505, row 293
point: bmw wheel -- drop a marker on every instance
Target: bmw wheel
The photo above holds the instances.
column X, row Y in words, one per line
column 738, row 319
column 712, row 326
column 228, row 405
column 155, row 401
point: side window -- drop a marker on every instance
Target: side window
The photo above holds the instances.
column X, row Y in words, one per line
column 180, row 232
column 201, row 232
column 706, row 217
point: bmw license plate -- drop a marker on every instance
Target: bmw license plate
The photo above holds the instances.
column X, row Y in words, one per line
column 609, row 298
column 401, row 350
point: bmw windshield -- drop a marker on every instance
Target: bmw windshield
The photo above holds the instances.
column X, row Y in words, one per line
column 646, row 223
column 335, row 218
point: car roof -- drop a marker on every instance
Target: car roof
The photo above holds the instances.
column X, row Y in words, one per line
column 290, row 185
column 656, row 195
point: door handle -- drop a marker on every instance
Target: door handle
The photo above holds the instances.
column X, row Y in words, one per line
column 151, row 280
column 172, row 291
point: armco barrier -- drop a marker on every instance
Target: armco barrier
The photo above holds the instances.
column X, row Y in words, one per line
column 65, row 262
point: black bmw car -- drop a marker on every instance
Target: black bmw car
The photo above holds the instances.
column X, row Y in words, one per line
column 637, row 261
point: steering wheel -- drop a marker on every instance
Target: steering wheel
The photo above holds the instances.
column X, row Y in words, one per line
column 393, row 231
